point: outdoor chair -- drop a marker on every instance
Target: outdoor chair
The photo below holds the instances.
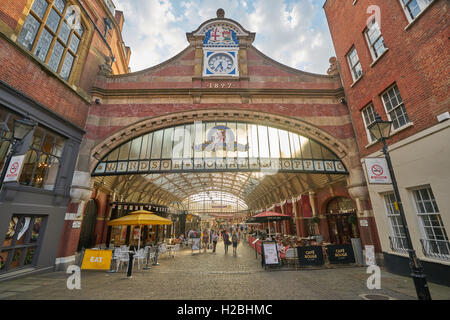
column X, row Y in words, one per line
column 291, row 256
column 175, row 249
column 140, row 257
column 123, row 258
column 162, row 249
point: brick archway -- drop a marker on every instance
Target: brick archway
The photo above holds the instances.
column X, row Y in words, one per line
column 169, row 120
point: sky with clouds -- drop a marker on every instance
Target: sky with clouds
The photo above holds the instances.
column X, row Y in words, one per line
column 293, row 32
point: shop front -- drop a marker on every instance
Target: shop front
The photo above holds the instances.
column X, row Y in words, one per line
column 33, row 204
column 342, row 220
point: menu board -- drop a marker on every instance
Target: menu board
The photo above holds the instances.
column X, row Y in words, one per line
column 340, row 254
column 270, row 251
column 310, row 256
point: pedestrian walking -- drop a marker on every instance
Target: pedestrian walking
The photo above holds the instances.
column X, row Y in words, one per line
column 214, row 238
column 235, row 240
column 205, row 240
column 226, row 241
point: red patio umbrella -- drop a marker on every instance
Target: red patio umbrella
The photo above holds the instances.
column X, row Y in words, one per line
column 270, row 216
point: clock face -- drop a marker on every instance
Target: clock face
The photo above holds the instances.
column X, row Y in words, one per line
column 220, row 63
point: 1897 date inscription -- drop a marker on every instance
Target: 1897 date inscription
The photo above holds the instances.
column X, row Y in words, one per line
column 219, row 85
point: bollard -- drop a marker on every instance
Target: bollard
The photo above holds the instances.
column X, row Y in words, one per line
column 130, row 265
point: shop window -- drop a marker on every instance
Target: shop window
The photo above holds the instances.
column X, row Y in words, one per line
column 434, row 236
column 42, row 160
column 21, row 242
column 53, row 34
column 395, row 108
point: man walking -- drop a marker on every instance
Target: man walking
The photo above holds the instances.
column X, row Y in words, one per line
column 214, row 239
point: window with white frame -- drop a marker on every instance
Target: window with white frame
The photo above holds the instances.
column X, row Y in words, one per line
column 398, row 235
column 375, row 40
column 395, row 107
column 368, row 114
column 414, row 7
column 435, row 242
column 354, row 64
column 52, row 32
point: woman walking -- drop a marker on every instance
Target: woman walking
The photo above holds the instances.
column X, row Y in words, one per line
column 235, row 240
column 226, row 241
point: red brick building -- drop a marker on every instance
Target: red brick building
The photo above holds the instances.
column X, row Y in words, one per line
column 111, row 135
column 393, row 59
column 258, row 93
column 50, row 54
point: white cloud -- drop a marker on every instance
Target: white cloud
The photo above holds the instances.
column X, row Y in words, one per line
column 289, row 33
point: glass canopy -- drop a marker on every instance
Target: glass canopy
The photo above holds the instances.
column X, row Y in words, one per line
column 219, row 147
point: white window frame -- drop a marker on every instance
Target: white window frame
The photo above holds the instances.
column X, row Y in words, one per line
column 370, row 106
column 353, row 49
column 396, row 227
column 399, row 105
column 424, row 215
column 373, row 52
column 420, row 3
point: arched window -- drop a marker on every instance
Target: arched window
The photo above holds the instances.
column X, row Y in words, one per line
column 52, row 32
column 340, row 205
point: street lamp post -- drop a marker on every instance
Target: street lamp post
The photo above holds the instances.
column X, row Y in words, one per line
column 20, row 130
column 381, row 130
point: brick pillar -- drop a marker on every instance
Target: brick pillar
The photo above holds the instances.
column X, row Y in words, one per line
column 70, row 236
column 314, row 209
column 297, row 217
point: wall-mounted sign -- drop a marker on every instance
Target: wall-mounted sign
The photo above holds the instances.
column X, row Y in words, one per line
column 270, row 253
column 341, row 254
column 370, row 255
column 377, row 171
column 76, row 224
column 310, row 256
column 14, row 169
column 363, row 223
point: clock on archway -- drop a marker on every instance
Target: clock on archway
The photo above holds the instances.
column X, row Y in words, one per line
column 221, row 63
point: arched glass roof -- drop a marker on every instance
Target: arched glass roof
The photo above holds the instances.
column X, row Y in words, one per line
column 220, row 147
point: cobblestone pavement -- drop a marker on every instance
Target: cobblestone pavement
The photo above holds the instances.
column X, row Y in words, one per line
column 208, row 276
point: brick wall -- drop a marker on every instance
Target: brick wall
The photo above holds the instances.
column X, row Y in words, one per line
column 417, row 61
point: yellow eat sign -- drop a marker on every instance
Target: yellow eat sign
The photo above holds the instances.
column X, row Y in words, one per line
column 97, row 259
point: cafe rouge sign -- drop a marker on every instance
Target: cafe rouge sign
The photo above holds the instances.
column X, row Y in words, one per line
column 238, row 164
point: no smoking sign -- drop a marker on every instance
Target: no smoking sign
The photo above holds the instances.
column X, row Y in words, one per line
column 377, row 171
column 14, row 169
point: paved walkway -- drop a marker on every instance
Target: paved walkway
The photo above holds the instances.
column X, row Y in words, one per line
column 209, row 276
